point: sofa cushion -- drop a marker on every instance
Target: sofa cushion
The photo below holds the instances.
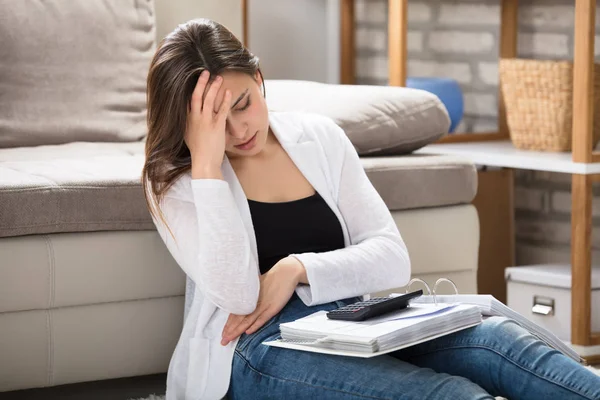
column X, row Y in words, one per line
column 74, row 187
column 74, row 70
column 78, row 187
column 379, row 120
column 419, row 181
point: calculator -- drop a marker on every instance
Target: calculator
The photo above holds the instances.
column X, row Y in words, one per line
column 363, row 310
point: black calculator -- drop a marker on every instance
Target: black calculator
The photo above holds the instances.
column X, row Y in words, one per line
column 363, row 310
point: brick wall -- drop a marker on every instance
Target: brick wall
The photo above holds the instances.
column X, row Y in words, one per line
column 459, row 39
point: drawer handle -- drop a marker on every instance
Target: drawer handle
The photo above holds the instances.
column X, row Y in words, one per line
column 543, row 305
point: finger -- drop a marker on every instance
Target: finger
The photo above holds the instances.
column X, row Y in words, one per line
column 225, row 105
column 209, row 101
column 260, row 321
column 233, row 321
column 229, row 335
column 242, row 326
column 238, row 330
column 196, row 103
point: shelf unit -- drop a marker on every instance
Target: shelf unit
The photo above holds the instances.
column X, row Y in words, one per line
column 495, row 148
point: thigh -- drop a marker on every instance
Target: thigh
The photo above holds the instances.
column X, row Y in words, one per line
column 265, row 372
column 506, row 360
column 275, row 373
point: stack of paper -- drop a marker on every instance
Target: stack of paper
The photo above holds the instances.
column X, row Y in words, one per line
column 490, row 306
column 380, row 335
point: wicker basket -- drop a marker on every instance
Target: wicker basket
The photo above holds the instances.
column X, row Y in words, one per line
column 538, row 96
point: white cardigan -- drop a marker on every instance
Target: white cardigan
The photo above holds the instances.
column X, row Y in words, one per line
column 216, row 248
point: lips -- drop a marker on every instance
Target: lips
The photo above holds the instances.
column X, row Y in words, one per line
column 249, row 140
column 247, row 145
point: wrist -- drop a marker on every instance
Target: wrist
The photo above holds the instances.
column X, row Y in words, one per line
column 200, row 171
column 298, row 269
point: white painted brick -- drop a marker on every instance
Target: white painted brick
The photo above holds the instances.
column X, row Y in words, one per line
column 523, row 175
column 561, row 202
column 485, row 125
column 531, row 199
column 552, row 177
column 546, row 16
column 481, row 104
column 418, row 12
column 461, row 127
column 414, row 41
column 470, row 14
column 461, row 42
column 488, row 73
column 543, row 44
column 455, row 70
column 371, row 11
column 527, row 254
column 372, row 67
column 373, row 39
column 544, row 230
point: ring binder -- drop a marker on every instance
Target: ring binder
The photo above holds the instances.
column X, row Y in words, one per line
column 362, row 339
column 413, row 280
column 432, row 292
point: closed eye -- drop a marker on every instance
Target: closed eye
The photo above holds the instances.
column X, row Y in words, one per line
column 246, row 105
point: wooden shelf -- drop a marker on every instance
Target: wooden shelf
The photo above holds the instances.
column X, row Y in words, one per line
column 502, row 153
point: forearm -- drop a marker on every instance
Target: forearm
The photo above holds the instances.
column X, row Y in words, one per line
column 222, row 266
column 302, row 278
column 374, row 265
column 295, row 267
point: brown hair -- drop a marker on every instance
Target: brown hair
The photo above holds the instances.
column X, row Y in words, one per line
column 179, row 59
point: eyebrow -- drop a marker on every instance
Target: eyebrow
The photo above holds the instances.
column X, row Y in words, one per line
column 239, row 98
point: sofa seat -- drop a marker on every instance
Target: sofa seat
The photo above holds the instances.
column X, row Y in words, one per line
column 84, row 187
column 83, row 271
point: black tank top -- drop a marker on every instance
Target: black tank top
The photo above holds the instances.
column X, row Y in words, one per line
column 298, row 226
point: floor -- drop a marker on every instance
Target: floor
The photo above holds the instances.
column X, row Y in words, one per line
column 114, row 389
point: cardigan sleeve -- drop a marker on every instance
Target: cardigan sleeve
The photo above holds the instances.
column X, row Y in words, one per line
column 211, row 245
column 376, row 259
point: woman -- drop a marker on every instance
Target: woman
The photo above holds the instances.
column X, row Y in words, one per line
column 271, row 217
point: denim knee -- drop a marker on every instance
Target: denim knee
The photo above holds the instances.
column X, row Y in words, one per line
column 498, row 326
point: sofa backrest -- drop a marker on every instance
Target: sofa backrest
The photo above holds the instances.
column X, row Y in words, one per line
column 75, row 71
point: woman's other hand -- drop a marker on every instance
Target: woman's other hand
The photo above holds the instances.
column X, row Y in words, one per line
column 276, row 288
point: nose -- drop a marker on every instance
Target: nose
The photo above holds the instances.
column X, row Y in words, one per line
column 236, row 128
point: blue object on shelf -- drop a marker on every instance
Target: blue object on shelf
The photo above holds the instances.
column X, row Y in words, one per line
column 447, row 90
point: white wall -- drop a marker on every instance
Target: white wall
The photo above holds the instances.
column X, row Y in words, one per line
column 296, row 39
column 170, row 13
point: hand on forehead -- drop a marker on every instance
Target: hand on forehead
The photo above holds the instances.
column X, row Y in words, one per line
column 236, row 83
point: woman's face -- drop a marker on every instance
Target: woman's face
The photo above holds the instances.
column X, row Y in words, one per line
column 248, row 119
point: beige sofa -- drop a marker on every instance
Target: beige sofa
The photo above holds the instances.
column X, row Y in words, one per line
column 89, row 292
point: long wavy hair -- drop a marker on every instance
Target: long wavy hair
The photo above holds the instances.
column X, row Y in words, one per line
column 175, row 68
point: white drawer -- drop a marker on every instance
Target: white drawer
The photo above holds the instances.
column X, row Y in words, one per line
column 543, row 286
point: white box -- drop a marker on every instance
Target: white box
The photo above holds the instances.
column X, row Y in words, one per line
column 542, row 293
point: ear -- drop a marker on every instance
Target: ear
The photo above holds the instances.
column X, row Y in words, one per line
column 258, row 78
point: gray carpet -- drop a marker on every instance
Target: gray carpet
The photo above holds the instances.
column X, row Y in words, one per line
column 111, row 389
column 136, row 388
column 155, row 397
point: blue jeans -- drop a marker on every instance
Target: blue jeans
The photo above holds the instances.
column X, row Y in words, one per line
column 495, row 358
